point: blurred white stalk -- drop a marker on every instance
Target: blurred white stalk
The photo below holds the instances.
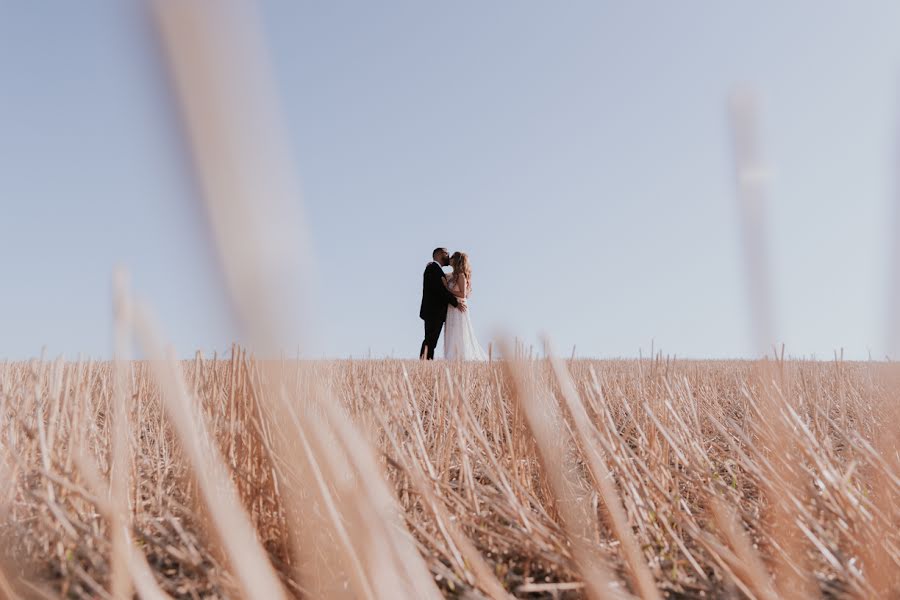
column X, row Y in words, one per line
column 751, row 177
column 892, row 343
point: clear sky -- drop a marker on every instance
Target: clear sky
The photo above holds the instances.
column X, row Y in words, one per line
column 579, row 152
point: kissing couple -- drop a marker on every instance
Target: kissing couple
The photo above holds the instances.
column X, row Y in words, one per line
column 446, row 300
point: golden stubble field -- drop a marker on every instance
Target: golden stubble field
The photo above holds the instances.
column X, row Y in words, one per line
column 397, row 479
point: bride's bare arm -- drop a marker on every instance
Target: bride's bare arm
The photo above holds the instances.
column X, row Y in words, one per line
column 462, row 284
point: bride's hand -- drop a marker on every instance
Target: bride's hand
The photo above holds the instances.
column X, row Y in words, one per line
column 461, row 304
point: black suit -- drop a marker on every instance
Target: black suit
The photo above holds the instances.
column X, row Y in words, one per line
column 435, row 298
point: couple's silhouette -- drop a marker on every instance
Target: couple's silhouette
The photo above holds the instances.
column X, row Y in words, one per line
column 445, row 300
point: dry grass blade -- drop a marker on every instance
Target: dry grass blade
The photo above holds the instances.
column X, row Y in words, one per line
column 222, row 79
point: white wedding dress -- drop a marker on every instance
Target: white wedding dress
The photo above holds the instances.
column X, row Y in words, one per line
column 459, row 335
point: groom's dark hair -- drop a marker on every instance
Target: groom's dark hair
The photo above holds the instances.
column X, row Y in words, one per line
column 436, row 252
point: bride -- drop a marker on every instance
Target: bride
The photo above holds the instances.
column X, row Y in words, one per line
column 459, row 335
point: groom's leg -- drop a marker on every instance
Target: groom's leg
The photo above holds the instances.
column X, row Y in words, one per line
column 435, row 334
column 432, row 333
column 423, row 351
column 429, row 343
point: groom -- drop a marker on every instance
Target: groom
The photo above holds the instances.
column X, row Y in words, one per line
column 435, row 298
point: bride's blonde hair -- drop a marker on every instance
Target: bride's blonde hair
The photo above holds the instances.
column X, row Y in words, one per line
column 460, row 263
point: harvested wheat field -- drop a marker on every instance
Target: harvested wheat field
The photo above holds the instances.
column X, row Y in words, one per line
column 398, row 479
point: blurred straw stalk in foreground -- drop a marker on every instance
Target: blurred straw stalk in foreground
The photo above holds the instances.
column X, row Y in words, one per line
column 233, row 124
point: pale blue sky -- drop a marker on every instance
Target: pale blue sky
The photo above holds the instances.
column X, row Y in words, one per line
column 579, row 151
